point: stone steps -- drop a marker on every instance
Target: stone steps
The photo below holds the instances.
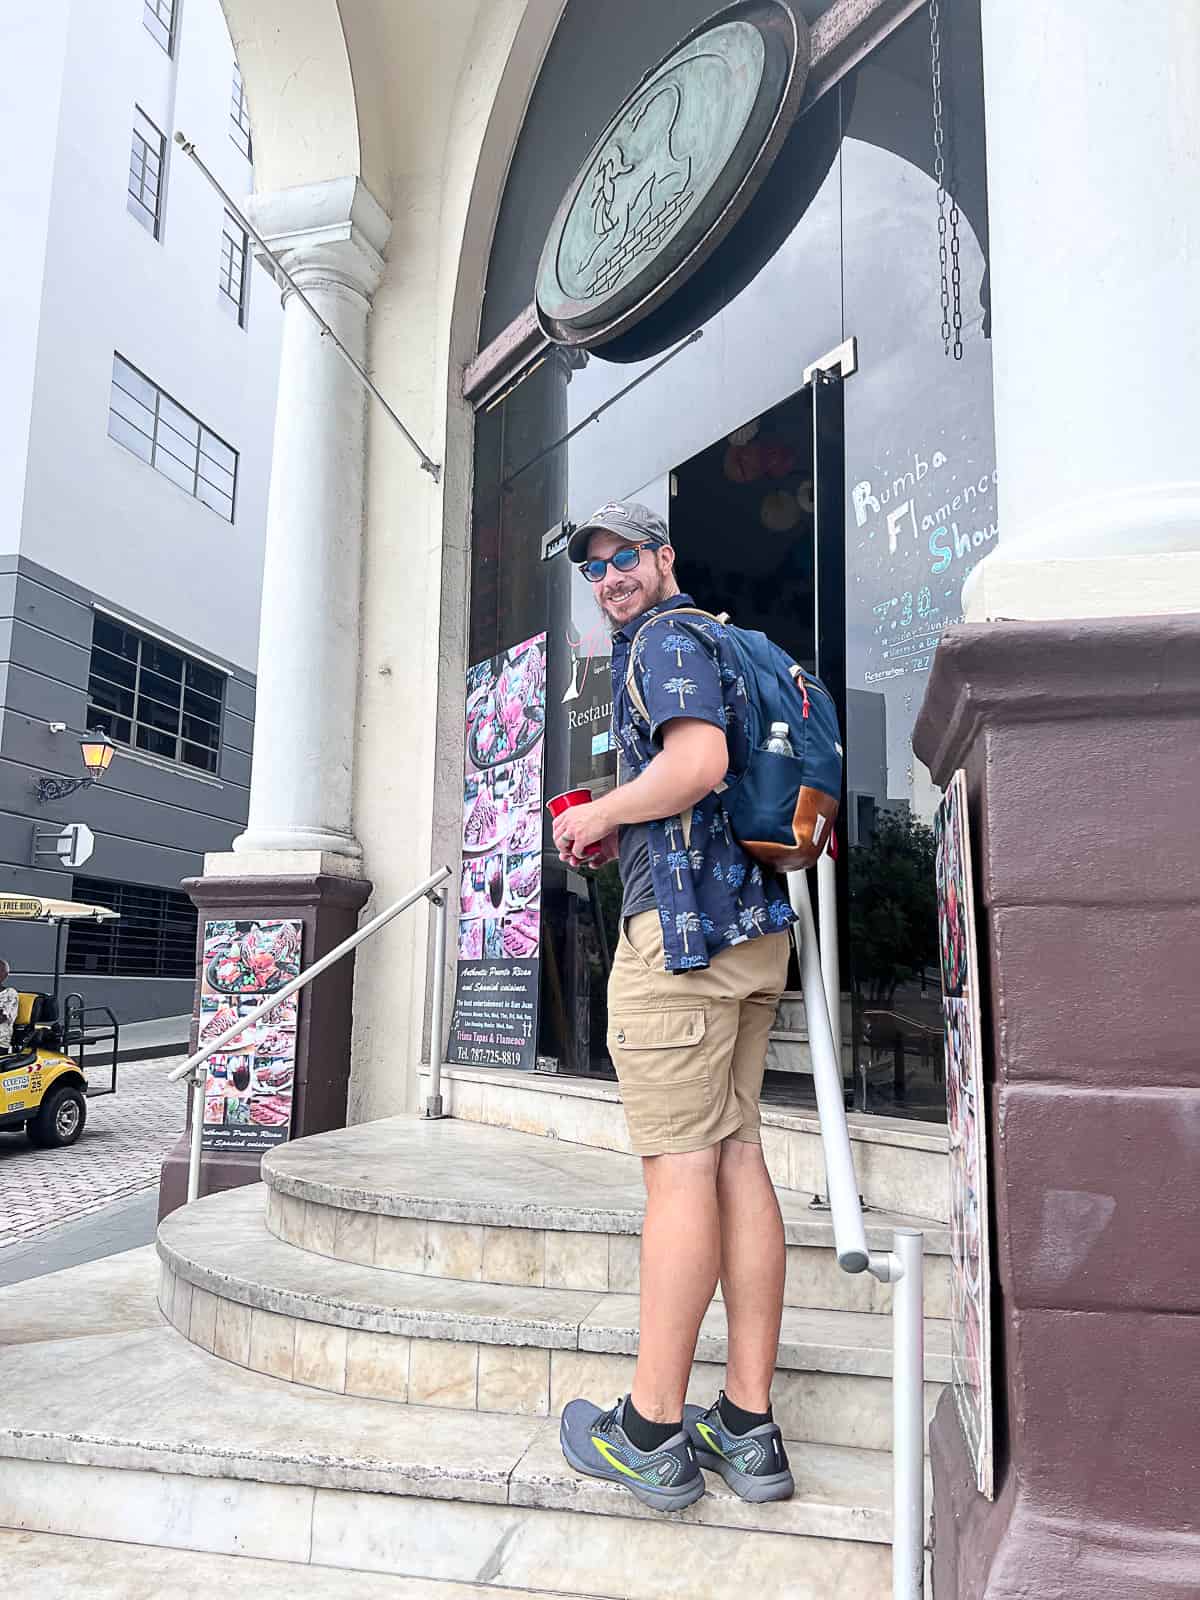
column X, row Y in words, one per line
column 137, row 1435
column 52, row 1565
column 234, row 1288
column 460, row 1200
column 901, row 1164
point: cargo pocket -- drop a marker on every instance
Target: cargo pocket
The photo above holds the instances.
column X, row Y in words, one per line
column 665, row 1082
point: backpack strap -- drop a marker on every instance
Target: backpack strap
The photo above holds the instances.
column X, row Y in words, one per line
column 631, row 688
column 635, row 694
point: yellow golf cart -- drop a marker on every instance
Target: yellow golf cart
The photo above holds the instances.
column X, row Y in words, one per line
column 43, row 1077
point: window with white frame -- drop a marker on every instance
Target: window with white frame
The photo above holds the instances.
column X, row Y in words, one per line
column 148, row 695
column 239, row 116
column 146, row 158
column 234, row 259
column 145, row 419
column 158, row 19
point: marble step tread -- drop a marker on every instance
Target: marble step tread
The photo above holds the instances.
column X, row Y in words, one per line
column 466, row 1172
column 140, row 1398
column 49, row 1565
column 221, row 1244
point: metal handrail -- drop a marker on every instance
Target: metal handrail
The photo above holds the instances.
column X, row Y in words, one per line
column 902, row 1266
column 190, row 1067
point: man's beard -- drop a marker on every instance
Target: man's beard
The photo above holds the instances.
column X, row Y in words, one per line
column 652, row 594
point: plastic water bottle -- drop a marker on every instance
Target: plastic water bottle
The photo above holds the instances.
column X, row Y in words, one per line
column 778, row 742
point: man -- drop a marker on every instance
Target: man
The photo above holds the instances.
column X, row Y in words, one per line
column 699, row 968
column 9, row 1002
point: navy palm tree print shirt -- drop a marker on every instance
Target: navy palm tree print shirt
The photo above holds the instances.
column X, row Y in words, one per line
column 710, row 893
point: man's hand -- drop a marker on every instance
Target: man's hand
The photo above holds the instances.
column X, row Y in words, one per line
column 580, row 826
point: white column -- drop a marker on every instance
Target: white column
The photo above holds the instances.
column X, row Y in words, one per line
column 1093, row 133
column 330, row 237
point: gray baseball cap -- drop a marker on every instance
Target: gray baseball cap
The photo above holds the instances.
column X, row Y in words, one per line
column 627, row 519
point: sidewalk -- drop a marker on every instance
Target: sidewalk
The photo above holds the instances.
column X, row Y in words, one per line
column 162, row 1036
column 120, row 1154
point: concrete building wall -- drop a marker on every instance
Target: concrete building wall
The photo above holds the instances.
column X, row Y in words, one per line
column 85, row 524
column 93, row 511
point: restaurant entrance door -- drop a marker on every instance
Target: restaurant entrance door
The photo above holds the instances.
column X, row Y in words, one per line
column 757, row 522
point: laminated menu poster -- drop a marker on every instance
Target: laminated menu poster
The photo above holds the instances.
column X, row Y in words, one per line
column 966, row 1109
column 500, row 894
column 248, row 1091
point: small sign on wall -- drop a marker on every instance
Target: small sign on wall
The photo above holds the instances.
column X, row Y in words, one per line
column 970, row 1266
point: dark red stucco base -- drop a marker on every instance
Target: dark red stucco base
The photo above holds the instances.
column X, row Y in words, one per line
column 1081, row 744
column 328, row 908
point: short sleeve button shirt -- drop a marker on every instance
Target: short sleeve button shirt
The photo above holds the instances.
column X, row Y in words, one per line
column 710, row 893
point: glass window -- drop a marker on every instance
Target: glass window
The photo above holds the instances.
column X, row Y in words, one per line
column 239, row 116
column 158, row 18
column 138, row 694
column 231, row 279
column 146, row 157
column 147, row 421
column 155, row 938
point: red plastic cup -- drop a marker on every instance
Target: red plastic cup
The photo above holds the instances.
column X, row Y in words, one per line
column 572, row 797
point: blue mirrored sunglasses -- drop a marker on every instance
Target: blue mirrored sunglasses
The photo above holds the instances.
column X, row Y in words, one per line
column 624, row 560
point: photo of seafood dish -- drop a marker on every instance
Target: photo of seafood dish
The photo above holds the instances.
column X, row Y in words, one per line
column 520, row 935
column 470, row 941
column 526, row 833
column 221, row 1020
column 493, row 941
column 257, row 958
column 275, row 1043
column 524, row 877
column 511, row 718
column 214, row 1110
column 484, row 821
column 271, row 1110
column 273, row 1077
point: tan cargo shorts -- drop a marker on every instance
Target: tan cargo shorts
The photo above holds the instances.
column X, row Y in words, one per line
column 690, row 1047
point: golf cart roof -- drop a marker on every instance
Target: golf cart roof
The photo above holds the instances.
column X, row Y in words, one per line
column 35, row 908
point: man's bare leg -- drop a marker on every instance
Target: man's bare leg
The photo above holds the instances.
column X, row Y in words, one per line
column 753, row 1260
column 681, row 1259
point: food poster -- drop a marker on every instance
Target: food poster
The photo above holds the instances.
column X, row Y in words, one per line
column 970, row 1267
column 500, row 892
column 248, row 1092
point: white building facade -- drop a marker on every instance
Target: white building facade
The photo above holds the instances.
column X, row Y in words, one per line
column 138, row 407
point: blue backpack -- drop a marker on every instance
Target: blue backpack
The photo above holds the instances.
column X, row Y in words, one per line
column 782, row 808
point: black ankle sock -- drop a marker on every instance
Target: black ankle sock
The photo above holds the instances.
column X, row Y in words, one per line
column 645, row 1435
column 739, row 1421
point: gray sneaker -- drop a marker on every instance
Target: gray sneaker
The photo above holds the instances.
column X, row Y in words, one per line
column 754, row 1464
column 593, row 1441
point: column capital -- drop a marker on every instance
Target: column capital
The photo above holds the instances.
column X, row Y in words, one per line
column 335, row 229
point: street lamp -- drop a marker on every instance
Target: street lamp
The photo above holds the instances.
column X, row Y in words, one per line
column 97, row 750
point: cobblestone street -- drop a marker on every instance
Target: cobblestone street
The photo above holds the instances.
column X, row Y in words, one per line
column 122, row 1148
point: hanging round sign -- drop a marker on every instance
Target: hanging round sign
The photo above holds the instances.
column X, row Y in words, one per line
column 673, row 171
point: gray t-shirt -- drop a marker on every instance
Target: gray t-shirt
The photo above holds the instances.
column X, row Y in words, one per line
column 634, row 842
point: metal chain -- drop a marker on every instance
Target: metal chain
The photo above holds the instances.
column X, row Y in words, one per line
column 948, row 237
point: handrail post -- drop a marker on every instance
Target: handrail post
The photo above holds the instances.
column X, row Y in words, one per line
column 196, row 1147
column 849, row 1235
column 831, row 972
column 908, row 1416
column 191, row 1067
column 433, row 1106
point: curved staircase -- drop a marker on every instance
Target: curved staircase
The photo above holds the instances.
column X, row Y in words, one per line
column 368, row 1355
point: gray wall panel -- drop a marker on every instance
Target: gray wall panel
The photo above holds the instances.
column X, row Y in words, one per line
column 52, row 611
column 238, row 731
column 48, row 654
column 31, row 745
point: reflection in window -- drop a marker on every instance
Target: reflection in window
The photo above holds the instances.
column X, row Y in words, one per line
column 239, row 115
column 158, row 19
column 232, row 277
column 145, row 419
column 146, row 156
column 145, row 694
